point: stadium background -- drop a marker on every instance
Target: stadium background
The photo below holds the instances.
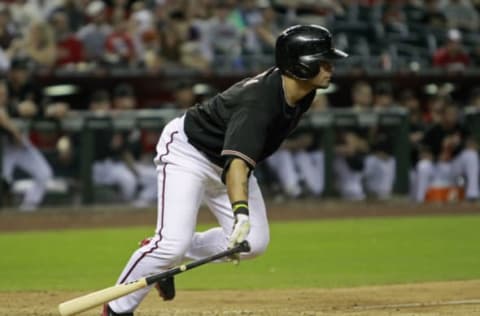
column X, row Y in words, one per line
column 328, row 255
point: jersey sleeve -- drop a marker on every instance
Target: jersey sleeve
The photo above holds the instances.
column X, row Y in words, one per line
column 245, row 136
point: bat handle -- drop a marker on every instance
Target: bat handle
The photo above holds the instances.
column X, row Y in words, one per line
column 244, row 246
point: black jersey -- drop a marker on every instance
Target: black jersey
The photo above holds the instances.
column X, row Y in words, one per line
column 436, row 134
column 249, row 120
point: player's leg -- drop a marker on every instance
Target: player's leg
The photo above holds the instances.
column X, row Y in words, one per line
column 466, row 164
column 311, row 166
column 216, row 239
column 148, row 182
column 379, row 175
column 30, row 160
column 180, row 191
column 423, row 177
column 9, row 155
column 348, row 180
column 109, row 172
column 282, row 164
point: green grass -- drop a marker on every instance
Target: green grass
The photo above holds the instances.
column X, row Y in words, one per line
column 327, row 253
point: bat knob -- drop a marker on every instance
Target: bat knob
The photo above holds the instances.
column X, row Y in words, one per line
column 244, row 246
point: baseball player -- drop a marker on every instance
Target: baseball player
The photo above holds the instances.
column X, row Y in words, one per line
column 209, row 154
column 18, row 151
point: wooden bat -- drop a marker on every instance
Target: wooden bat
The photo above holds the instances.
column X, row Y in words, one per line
column 88, row 301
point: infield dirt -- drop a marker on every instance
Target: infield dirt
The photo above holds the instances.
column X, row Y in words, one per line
column 446, row 298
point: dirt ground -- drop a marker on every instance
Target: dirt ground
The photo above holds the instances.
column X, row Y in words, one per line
column 442, row 298
column 451, row 298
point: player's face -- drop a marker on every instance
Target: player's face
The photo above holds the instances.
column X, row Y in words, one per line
column 322, row 79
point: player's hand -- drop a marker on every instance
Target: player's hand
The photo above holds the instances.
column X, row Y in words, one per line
column 241, row 228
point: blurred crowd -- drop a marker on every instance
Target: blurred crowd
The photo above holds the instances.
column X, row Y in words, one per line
column 232, row 35
column 443, row 150
column 214, row 36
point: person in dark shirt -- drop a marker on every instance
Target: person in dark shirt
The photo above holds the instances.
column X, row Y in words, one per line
column 352, row 146
column 109, row 167
column 19, row 152
column 447, row 151
column 209, row 154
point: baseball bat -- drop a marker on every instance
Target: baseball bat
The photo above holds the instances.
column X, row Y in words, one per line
column 88, row 301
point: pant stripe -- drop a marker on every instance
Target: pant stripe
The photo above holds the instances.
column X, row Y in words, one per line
column 155, row 246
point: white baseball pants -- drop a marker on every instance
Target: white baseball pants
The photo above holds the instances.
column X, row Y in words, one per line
column 29, row 159
column 293, row 167
column 377, row 177
column 465, row 164
column 185, row 179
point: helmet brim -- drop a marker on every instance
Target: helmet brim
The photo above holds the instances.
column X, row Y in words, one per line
column 333, row 54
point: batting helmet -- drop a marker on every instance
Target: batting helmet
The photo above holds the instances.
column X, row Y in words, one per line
column 300, row 49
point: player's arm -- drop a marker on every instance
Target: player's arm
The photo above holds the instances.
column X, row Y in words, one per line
column 243, row 146
column 236, row 179
column 10, row 127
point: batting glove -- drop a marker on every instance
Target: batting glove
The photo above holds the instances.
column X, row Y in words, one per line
column 241, row 227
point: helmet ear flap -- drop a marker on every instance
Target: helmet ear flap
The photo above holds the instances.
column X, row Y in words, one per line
column 305, row 70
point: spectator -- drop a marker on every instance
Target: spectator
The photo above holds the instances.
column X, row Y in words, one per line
column 74, row 9
column 394, row 21
column 119, row 47
column 118, row 8
column 452, row 56
column 410, row 102
column 69, row 49
column 225, row 39
column 150, row 54
column 433, row 16
column 461, row 15
column 141, row 17
column 18, row 152
column 383, row 98
column 183, row 96
column 268, row 30
column 7, row 29
column 25, row 97
column 109, row 167
column 39, row 44
column 449, row 153
column 435, row 105
column 379, row 173
column 124, row 98
column 94, row 34
column 474, row 100
column 352, row 148
column 173, row 32
column 134, row 156
column 362, row 96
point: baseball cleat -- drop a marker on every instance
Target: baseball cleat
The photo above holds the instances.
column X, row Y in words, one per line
column 166, row 288
column 108, row 312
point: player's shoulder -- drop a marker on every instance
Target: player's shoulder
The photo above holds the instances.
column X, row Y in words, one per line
column 259, row 88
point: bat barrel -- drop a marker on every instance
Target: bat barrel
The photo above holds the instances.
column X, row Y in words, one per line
column 86, row 302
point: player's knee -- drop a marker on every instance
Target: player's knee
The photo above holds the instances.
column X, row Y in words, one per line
column 258, row 245
column 424, row 167
column 470, row 155
column 44, row 174
column 172, row 251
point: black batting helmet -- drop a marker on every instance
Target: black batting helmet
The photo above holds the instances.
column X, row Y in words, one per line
column 300, row 49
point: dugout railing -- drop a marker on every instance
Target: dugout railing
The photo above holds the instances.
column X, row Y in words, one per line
column 85, row 125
